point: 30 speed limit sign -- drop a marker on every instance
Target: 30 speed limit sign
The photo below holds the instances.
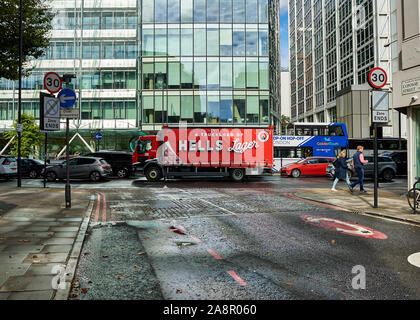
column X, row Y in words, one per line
column 378, row 78
column 52, row 82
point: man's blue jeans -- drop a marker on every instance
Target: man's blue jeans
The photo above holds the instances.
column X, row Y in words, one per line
column 361, row 177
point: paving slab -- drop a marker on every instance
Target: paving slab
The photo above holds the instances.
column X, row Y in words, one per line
column 43, row 258
column 27, row 283
column 56, row 248
column 31, row 295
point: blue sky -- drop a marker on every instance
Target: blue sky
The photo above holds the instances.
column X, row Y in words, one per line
column 284, row 34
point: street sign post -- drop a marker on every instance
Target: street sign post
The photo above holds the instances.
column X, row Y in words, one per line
column 379, row 114
column 98, row 136
column 49, row 113
column 52, row 82
column 67, row 99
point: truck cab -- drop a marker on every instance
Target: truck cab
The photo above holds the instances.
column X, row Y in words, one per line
column 146, row 149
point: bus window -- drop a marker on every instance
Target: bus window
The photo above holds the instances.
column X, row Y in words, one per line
column 335, row 131
column 307, row 132
column 299, row 131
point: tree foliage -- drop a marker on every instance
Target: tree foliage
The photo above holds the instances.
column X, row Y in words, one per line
column 36, row 26
column 285, row 120
column 31, row 137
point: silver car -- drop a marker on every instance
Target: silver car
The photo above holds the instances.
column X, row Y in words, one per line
column 8, row 167
column 90, row 168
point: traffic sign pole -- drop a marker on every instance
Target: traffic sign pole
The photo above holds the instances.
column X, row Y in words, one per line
column 375, row 165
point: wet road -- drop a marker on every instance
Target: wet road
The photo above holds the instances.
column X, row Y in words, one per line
column 220, row 240
column 216, row 239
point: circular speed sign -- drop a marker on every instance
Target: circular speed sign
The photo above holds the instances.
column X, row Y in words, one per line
column 378, row 78
column 52, row 82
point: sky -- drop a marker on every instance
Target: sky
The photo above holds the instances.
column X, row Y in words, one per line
column 284, row 35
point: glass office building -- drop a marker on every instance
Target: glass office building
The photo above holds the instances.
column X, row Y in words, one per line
column 207, row 62
column 143, row 63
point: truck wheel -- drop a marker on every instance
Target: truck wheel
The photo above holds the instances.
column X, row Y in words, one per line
column 388, row 175
column 153, row 173
column 296, row 173
column 237, row 174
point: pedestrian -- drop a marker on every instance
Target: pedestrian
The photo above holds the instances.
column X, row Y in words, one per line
column 340, row 170
column 358, row 163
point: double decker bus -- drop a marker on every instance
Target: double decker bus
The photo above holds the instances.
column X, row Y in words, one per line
column 306, row 139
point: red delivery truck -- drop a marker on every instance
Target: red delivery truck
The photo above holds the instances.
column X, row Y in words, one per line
column 178, row 152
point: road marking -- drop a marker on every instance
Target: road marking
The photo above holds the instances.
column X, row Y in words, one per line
column 291, row 195
column 98, row 206
column 196, row 239
column 104, row 207
column 343, row 227
column 235, row 276
column 214, row 254
column 414, row 259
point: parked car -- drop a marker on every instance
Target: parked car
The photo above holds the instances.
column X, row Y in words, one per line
column 121, row 162
column 32, row 168
column 387, row 168
column 400, row 158
column 8, row 167
column 308, row 167
column 80, row 168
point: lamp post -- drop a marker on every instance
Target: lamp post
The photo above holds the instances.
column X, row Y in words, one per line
column 19, row 133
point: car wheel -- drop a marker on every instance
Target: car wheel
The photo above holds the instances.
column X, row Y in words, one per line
column 388, row 175
column 153, row 173
column 95, row 176
column 51, row 176
column 33, row 174
column 237, row 174
column 122, row 173
column 296, row 173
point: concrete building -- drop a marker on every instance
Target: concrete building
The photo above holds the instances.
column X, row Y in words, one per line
column 285, row 93
column 333, row 46
column 406, row 76
column 143, row 63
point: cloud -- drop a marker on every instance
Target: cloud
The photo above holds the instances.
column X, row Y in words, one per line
column 283, row 6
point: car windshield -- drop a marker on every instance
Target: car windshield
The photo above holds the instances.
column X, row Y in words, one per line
column 300, row 161
column 144, row 146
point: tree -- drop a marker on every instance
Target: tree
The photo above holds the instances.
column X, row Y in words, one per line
column 31, row 136
column 36, row 25
column 284, row 122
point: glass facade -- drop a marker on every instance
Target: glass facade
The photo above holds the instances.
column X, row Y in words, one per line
column 205, row 62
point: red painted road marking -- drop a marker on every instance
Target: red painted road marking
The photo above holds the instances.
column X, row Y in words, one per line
column 214, row 254
column 343, row 227
column 182, row 228
column 196, row 239
column 104, row 207
column 98, row 205
column 291, row 195
column 235, row 276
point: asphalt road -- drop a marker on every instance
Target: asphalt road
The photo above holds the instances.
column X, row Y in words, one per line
column 215, row 239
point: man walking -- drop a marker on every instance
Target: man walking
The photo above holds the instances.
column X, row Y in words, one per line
column 358, row 163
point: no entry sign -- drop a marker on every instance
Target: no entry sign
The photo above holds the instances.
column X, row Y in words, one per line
column 344, row 227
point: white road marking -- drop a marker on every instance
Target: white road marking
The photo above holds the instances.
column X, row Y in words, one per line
column 414, row 259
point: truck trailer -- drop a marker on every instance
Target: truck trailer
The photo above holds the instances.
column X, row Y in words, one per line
column 181, row 152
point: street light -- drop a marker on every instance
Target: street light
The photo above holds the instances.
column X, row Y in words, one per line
column 19, row 133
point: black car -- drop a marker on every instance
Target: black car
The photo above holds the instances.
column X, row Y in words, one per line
column 31, row 168
column 400, row 158
column 121, row 162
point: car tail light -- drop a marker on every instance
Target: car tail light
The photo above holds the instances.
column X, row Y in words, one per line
column 104, row 166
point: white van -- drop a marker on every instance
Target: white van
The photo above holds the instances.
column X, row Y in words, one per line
column 8, row 167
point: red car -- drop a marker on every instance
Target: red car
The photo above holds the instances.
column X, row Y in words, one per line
column 312, row 166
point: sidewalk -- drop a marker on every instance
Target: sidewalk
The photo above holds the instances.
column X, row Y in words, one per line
column 390, row 205
column 38, row 234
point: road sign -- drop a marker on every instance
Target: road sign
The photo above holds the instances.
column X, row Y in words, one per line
column 98, row 136
column 52, row 82
column 380, row 116
column 378, row 78
column 69, row 113
column 49, row 113
column 67, row 98
column 380, row 106
column 19, row 127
